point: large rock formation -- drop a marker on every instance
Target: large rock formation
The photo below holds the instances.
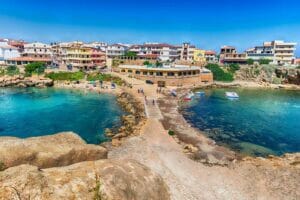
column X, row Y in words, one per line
column 21, row 81
column 291, row 76
column 48, row 151
column 102, row 179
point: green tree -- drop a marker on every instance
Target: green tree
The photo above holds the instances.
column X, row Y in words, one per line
column 130, row 54
column 264, row 61
column 12, row 70
column 250, row 61
column 35, row 67
column 219, row 74
column 158, row 64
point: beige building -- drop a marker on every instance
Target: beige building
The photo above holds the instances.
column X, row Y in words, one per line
column 176, row 75
column 229, row 55
column 284, row 52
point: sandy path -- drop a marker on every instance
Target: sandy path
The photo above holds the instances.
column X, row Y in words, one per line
column 189, row 180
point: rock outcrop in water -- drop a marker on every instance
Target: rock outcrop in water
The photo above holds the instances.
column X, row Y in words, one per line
column 48, row 151
column 21, row 81
column 102, row 179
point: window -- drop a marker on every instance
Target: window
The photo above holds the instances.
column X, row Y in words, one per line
column 151, row 73
column 129, row 71
column 171, row 74
column 179, row 73
column 145, row 73
column 159, row 74
column 137, row 72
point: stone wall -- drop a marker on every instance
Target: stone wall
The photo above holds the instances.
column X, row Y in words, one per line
column 22, row 81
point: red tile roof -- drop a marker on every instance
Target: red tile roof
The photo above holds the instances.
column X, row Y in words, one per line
column 210, row 53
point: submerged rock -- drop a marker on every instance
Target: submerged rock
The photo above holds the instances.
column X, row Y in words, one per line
column 102, row 179
column 48, row 151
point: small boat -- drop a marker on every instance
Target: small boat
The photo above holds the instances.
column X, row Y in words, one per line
column 189, row 96
column 232, row 95
column 200, row 93
column 173, row 93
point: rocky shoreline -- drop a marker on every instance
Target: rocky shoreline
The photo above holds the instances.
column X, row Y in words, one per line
column 22, row 81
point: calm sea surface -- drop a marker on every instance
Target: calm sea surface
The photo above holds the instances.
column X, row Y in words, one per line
column 36, row 112
column 260, row 122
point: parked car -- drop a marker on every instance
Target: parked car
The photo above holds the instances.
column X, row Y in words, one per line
column 149, row 82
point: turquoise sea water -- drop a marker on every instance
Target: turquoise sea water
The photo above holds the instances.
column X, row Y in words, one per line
column 35, row 112
column 260, row 122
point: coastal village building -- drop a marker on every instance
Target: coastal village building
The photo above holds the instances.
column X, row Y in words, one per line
column 186, row 51
column 211, row 57
column 116, row 50
column 199, row 56
column 155, row 51
column 78, row 55
column 171, row 75
column 278, row 52
column 33, row 52
column 7, row 51
column 229, row 55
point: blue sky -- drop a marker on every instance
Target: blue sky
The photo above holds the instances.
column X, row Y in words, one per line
column 208, row 24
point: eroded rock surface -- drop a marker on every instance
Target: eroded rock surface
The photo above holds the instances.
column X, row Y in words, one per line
column 21, row 81
column 102, row 179
column 48, row 151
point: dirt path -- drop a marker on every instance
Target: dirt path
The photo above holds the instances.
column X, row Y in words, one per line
column 187, row 179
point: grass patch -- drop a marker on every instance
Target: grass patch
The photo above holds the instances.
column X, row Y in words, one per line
column 105, row 77
column 65, row 76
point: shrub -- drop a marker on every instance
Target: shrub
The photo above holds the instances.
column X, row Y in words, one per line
column 250, row 61
column 170, row 132
column 2, row 166
column 66, row 76
column 105, row 77
column 35, row 67
column 2, row 72
column 264, row 61
column 218, row 73
column 234, row 67
column 146, row 63
column 12, row 70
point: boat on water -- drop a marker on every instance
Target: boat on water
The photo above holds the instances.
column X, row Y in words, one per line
column 232, row 95
column 200, row 93
column 189, row 96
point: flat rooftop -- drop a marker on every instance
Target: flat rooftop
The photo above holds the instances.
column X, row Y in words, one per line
column 164, row 68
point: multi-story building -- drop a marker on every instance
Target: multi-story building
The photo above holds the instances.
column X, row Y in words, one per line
column 78, row 55
column 33, row 52
column 229, row 55
column 37, row 50
column 199, row 56
column 284, row 52
column 211, row 56
column 173, row 75
column 186, row 51
column 155, row 51
column 278, row 52
column 260, row 52
column 116, row 50
column 7, row 51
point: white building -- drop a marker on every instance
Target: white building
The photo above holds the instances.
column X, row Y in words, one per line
column 279, row 52
column 186, row 51
column 156, row 51
column 7, row 51
column 37, row 50
column 116, row 50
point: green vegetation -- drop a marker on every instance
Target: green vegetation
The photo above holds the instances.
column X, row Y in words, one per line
column 12, row 70
column 233, row 68
column 98, row 195
column 35, row 68
column 146, row 63
column 2, row 72
column 298, row 67
column 277, row 80
column 250, row 61
column 105, row 77
column 66, row 76
column 170, row 132
column 218, row 73
column 264, row 61
column 158, row 64
column 130, row 54
column 2, row 166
